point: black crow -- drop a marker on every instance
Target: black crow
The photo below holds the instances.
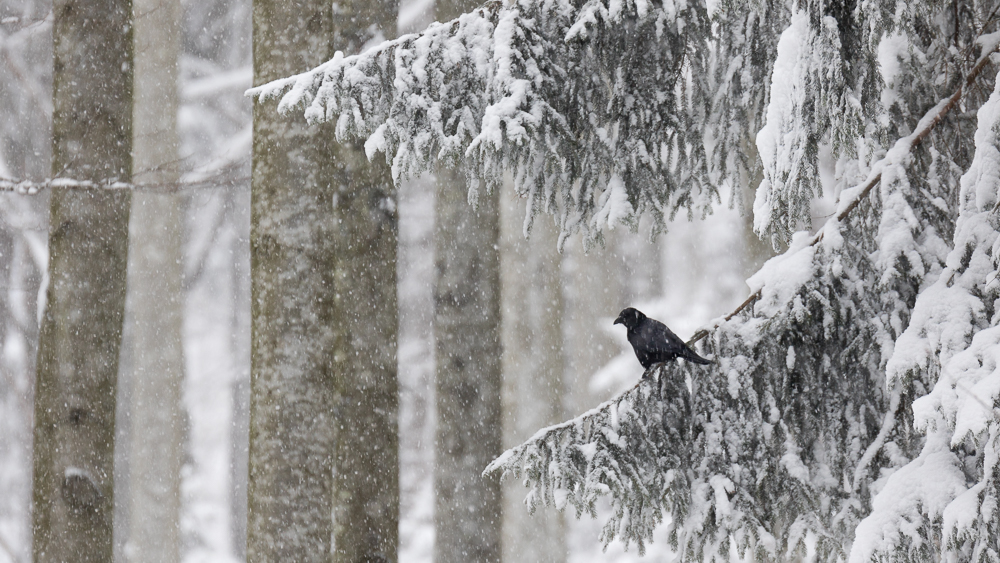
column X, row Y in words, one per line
column 652, row 341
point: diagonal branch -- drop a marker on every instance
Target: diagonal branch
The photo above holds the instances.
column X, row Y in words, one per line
column 852, row 197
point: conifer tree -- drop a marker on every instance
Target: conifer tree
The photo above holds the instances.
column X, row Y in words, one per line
column 831, row 418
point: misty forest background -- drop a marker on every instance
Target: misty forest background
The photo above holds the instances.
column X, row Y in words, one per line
column 557, row 308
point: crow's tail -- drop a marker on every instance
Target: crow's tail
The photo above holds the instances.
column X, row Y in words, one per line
column 691, row 356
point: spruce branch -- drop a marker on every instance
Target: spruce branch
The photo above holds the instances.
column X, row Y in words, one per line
column 608, row 451
column 554, row 93
column 852, row 197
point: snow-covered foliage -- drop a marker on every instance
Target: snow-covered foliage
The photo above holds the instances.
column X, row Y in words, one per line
column 851, row 413
column 607, row 109
column 777, row 446
column 952, row 343
column 577, row 462
column 794, row 430
column 798, row 441
column 598, row 108
column 788, row 142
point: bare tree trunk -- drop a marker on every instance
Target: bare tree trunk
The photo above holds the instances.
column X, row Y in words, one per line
column 153, row 313
column 88, row 244
column 290, row 502
column 468, row 507
column 755, row 250
column 323, row 446
column 593, row 293
column 533, row 366
column 366, row 482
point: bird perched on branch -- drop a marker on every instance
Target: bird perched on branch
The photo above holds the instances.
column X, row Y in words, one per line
column 652, row 341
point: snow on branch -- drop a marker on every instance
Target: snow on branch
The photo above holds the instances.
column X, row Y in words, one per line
column 633, row 448
column 852, row 197
column 28, row 187
column 807, row 66
column 773, row 445
column 584, row 102
column 953, row 341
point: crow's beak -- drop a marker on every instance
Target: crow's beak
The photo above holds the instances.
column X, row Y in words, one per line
column 619, row 320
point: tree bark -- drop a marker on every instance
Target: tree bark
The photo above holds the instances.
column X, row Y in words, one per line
column 593, row 293
column 533, row 367
column 755, row 250
column 88, row 244
column 153, row 312
column 467, row 510
column 468, row 507
column 366, row 473
column 323, row 429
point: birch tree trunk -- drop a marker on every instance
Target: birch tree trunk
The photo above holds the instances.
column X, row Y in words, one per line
column 467, row 509
column 153, row 312
column 533, row 367
column 88, row 243
column 323, row 447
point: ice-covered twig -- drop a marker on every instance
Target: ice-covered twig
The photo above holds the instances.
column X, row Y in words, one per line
column 27, row 187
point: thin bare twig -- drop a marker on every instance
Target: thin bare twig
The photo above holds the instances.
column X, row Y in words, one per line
column 27, row 187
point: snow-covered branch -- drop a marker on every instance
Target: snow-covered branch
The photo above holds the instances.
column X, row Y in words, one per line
column 631, row 448
column 852, row 197
column 586, row 103
column 952, row 341
column 28, row 187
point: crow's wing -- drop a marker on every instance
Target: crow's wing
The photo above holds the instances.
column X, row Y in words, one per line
column 659, row 342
